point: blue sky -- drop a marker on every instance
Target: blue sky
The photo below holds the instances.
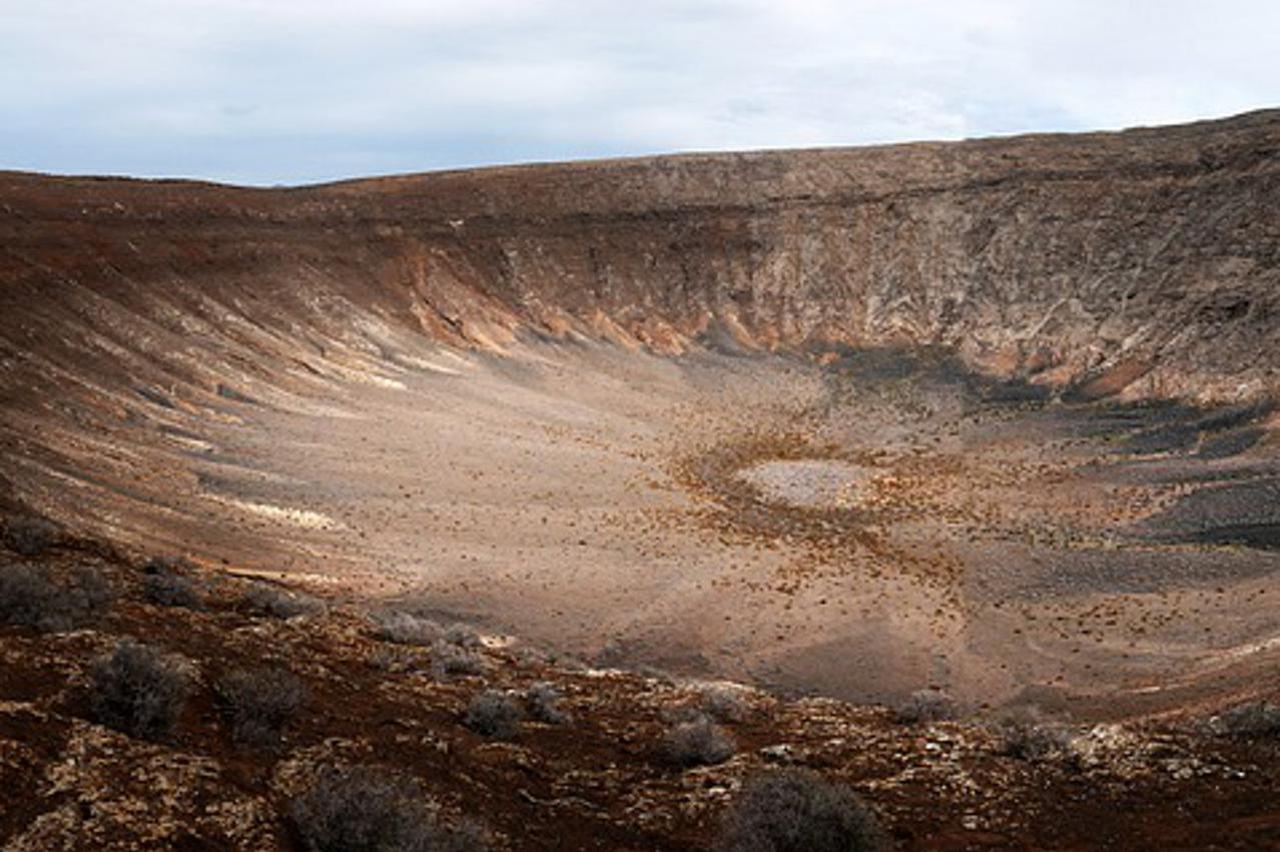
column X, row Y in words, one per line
column 296, row 91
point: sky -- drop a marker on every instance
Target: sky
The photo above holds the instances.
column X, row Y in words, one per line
column 270, row 92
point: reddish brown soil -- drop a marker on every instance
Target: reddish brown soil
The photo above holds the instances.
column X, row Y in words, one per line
column 598, row 783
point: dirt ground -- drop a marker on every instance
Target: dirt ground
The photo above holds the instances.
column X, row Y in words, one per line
column 601, row 501
column 600, row 781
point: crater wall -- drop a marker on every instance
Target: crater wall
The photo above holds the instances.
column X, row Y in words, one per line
column 1145, row 260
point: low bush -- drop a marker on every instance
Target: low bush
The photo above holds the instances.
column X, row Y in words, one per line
column 405, row 628
column 368, row 809
column 493, row 714
column 32, row 597
column 138, row 690
column 544, row 703
column 170, row 589
column 799, row 811
column 395, row 659
column 167, row 565
column 925, row 706
column 30, row 536
column 462, row 635
column 29, row 597
column 1032, row 741
column 448, row 659
column 267, row 600
column 724, row 703
column 698, row 742
column 91, row 589
column 1253, row 719
column 258, row 704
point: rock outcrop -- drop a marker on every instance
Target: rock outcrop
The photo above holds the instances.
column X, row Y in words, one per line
column 1148, row 259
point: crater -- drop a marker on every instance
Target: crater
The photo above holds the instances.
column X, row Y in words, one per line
column 992, row 417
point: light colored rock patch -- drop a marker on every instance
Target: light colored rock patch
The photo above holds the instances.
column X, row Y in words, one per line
column 807, row 483
column 284, row 514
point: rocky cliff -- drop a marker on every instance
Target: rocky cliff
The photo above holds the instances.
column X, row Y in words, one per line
column 1145, row 260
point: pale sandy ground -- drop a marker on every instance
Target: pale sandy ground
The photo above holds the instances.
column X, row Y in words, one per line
column 594, row 500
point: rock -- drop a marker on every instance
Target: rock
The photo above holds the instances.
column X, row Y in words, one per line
column 782, row 753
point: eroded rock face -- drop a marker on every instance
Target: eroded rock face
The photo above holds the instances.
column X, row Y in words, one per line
column 1143, row 260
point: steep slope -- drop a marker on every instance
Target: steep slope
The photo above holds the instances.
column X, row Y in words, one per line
column 1155, row 249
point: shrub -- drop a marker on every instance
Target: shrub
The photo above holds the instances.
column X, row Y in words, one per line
column 267, row 600
column 30, row 536
column 723, row 703
column 799, row 811
column 167, row 565
column 91, row 590
column 258, row 704
column 927, row 705
column 1253, row 719
column 138, row 690
column 493, row 714
column 449, row 659
column 406, row 629
column 30, row 597
column 698, row 743
column 543, row 700
column 165, row 589
column 366, row 809
column 462, row 635
column 394, row 660
column 1028, row 740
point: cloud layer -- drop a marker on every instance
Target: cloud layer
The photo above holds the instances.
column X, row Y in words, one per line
column 289, row 91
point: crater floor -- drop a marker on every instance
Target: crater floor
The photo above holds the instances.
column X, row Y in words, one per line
column 864, row 528
column 807, row 483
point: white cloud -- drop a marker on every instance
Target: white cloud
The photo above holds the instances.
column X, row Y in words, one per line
column 292, row 90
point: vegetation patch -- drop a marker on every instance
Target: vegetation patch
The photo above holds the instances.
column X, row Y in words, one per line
column 1032, row 741
column 166, row 584
column 448, row 659
column 545, row 704
column 30, row 536
column 799, row 811
column 926, row 706
column 370, row 809
column 138, row 690
column 259, row 704
column 725, row 704
column 270, row 601
column 404, row 628
column 699, row 742
column 33, row 597
column 1251, row 720
column 493, row 714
